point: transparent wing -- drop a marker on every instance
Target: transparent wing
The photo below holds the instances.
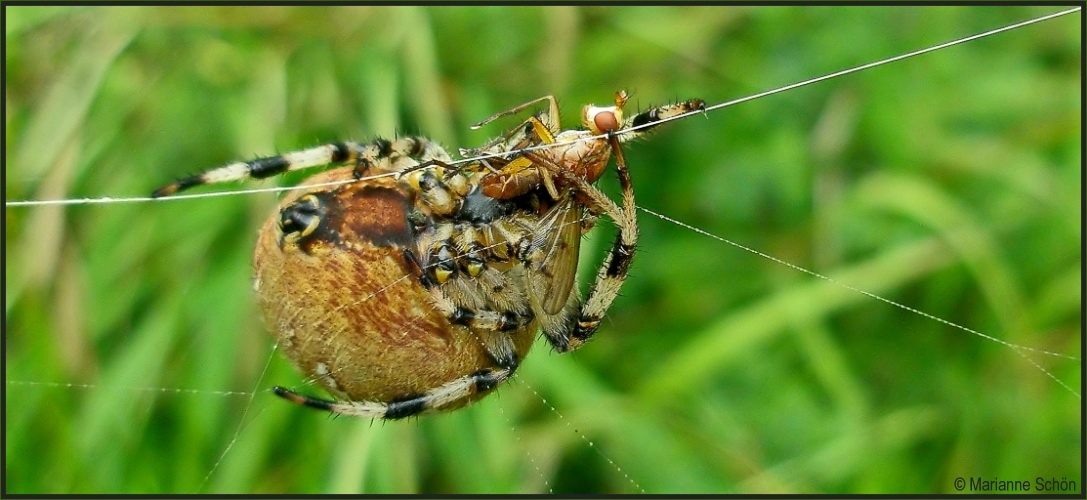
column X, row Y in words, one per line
column 558, row 243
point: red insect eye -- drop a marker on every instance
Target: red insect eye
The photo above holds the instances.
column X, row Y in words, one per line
column 606, row 121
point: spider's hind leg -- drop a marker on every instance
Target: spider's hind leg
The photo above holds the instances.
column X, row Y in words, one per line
column 449, row 394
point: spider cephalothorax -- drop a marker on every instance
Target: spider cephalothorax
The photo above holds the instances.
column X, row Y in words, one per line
column 423, row 290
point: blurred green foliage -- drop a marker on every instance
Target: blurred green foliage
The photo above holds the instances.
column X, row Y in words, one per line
column 950, row 182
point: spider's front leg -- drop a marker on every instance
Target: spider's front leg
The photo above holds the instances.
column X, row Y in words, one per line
column 492, row 328
column 613, row 271
column 380, row 156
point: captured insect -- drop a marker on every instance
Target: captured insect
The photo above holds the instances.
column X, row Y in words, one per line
column 423, row 290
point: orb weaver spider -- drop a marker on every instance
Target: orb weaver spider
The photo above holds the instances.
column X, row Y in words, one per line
column 413, row 284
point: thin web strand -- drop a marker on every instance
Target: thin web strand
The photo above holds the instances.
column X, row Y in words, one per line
column 1019, row 349
column 243, row 423
column 562, row 418
column 166, row 390
column 870, row 65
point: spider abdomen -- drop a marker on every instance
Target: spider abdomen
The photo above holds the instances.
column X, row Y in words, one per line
column 344, row 302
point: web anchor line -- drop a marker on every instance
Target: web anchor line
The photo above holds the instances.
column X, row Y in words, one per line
column 1019, row 349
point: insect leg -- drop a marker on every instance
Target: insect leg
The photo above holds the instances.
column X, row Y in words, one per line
column 553, row 112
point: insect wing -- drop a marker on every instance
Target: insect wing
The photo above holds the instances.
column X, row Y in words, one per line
column 558, row 239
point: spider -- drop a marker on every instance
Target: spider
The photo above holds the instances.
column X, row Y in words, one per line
column 423, row 290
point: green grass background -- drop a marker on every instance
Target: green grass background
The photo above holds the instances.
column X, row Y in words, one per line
column 949, row 182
